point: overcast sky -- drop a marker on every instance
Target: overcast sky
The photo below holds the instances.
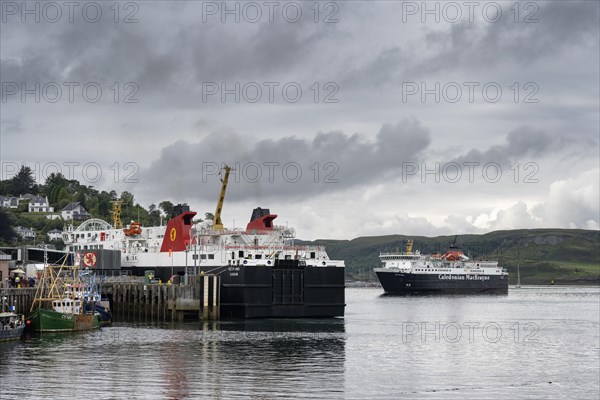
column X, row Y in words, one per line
column 346, row 119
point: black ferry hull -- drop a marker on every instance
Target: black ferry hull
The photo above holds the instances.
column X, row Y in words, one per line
column 286, row 290
column 400, row 283
column 283, row 291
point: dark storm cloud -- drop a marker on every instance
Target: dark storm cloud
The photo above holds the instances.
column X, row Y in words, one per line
column 174, row 61
column 560, row 25
column 344, row 161
column 522, row 142
column 178, row 59
column 478, row 48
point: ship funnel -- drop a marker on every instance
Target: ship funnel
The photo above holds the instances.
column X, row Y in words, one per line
column 261, row 220
column 178, row 234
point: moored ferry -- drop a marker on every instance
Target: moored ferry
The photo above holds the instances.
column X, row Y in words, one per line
column 263, row 272
column 452, row 272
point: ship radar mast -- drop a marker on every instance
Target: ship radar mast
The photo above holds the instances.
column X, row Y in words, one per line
column 218, row 224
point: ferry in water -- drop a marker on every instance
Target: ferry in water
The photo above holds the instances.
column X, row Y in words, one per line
column 453, row 272
column 262, row 272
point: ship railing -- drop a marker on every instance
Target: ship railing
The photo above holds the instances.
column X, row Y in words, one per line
column 276, row 248
column 287, row 232
column 400, row 256
column 218, row 232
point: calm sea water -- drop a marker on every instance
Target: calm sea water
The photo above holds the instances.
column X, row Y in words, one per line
column 535, row 342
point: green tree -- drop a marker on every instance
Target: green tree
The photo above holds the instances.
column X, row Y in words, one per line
column 167, row 208
column 81, row 198
column 153, row 215
column 23, row 182
column 7, row 234
column 23, row 206
column 127, row 199
column 5, row 188
column 64, row 198
column 54, row 182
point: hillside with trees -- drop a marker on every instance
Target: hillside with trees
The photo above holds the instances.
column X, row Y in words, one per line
column 61, row 191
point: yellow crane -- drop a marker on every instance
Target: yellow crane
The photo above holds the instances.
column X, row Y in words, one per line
column 217, row 223
column 116, row 214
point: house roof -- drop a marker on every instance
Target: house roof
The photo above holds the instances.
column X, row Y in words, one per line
column 55, row 231
column 72, row 206
column 38, row 199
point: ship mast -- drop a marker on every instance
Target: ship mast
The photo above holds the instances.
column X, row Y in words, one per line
column 218, row 224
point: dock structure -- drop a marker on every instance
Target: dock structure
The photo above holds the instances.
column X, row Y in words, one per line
column 140, row 302
column 21, row 298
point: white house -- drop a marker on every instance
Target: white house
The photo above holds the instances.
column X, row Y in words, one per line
column 9, row 202
column 54, row 234
column 40, row 204
column 74, row 211
column 25, row 233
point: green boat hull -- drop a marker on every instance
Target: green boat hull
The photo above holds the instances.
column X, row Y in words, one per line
column 43, row 320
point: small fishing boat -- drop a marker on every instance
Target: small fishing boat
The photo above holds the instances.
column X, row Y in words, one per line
column 65, row 301
column 11, row 324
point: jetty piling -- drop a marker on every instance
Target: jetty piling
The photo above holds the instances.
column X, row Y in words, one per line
column 211, row 297
column 142, row 302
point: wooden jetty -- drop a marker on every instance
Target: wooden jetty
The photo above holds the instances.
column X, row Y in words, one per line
column 139, row 302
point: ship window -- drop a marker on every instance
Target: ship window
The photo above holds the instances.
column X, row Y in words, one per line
column 203, row 256
column 211, row 256
column 312, row 254
column 241, row 253
column 258, row 256
column 233, row 254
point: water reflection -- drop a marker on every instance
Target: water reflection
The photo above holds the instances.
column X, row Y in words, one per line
column 270, row 358
column 371, row 353
column 262, row 359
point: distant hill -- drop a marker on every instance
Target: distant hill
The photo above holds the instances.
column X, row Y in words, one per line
column 565, row 256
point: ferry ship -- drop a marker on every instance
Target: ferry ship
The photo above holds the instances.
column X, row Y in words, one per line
column 263, row 273
column 453, row 272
